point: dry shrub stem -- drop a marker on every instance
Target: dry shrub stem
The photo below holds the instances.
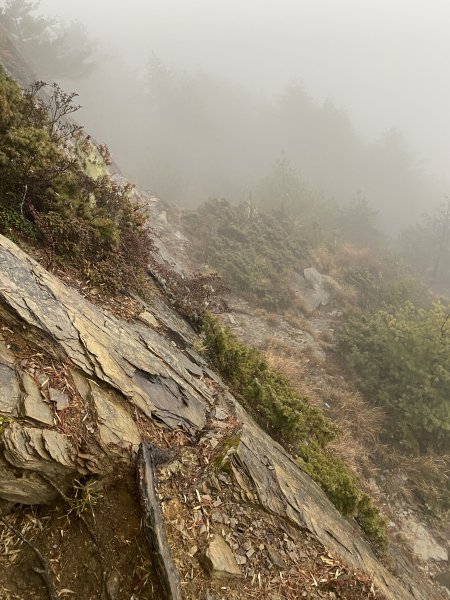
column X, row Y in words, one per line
column 45, row 572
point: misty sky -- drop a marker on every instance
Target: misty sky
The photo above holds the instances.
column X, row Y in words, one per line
column 385, row 61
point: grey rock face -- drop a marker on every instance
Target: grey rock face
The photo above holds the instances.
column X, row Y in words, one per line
column 422, row 543
column 313, row 288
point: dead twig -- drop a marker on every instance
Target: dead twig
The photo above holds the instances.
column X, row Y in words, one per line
column 89, row 529
column 45, row 572
column 69, row 502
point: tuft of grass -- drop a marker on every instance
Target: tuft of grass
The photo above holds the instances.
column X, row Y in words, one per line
column 297, row 322
column 86, row 496
column 427, row 477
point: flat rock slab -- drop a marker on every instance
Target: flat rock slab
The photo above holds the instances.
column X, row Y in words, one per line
column 60, row 399
column 37, row 410
column 33, row 405
column 9, row 391
column 116, row 426
column 218, row 559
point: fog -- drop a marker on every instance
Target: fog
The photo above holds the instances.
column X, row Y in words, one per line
column 374, row 77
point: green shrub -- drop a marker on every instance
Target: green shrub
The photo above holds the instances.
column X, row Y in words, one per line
column 342, row 488
column 388, row 285
column 266, row 393
column 14, row 226
column 333, row 476
column 52, row 194
column 191, row 296
column 426, row 247
column 256, row 253
column 292, row 420
column 400, row 358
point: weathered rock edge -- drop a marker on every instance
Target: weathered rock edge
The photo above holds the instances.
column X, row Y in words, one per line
column 154, row 527
column 165, row 384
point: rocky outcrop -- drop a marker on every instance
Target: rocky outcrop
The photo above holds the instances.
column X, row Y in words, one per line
column 31, row 456
column 313, row 288
column 122, row 371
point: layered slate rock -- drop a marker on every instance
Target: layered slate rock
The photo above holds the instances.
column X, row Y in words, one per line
column 152, row 374
column 38, row 456
column 136, row 361
column 9, row 391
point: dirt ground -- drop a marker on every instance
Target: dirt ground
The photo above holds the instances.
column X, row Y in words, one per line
column 116, row 567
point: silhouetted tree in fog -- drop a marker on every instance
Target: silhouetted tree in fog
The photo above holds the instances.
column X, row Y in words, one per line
column 426, row 246
column 54, row 49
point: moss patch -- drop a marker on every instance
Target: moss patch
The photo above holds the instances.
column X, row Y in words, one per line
column 228, row 446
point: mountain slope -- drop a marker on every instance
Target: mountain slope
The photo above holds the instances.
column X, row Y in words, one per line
column 81, row 389
column 154, row 381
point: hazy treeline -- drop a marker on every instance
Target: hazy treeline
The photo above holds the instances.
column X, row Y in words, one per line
column 188, row 137
column 191, row 136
